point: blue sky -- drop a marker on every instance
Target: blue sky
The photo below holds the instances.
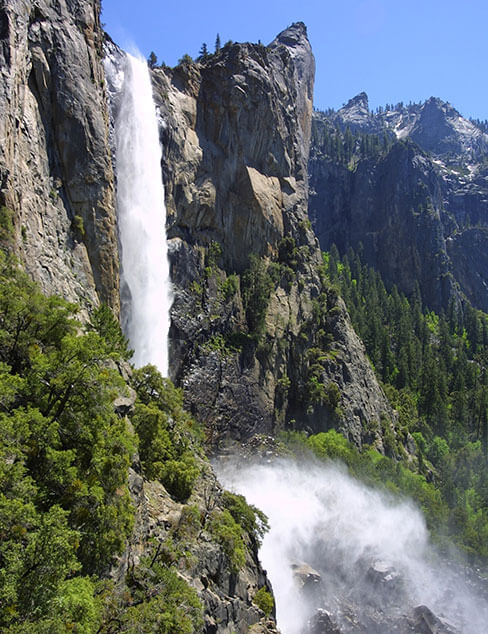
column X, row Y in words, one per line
column 394, row 50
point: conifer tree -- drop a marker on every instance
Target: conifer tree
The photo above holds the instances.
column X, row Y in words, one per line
column 204, row 52
column 152, row 60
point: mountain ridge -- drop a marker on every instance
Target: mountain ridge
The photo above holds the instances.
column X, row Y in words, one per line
column 447, row 163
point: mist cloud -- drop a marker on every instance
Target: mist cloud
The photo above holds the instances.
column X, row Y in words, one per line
column 354, row 551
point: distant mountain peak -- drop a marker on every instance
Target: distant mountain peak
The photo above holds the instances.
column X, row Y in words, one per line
column 356, row 114
column 435, row 103
column 359, row 100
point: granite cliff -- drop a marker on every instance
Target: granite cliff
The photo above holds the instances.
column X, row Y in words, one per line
column 258, row 340
column 412, row 194
column 236, row 140
column 56, row 177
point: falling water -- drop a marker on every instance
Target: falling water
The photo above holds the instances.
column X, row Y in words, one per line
column 141, row 214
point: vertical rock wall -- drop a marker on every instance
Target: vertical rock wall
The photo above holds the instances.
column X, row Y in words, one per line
column 236, row 138
column 55, row 169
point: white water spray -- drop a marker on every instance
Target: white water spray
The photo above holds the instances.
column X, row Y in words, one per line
column 141, row 214
column 371, row 550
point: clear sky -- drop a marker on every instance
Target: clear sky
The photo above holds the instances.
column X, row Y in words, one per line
column 395, row 50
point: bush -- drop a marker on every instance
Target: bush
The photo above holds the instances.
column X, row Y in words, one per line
column 229, row 534
column 256, row 287
column 264, row 600
column 163, row 602
column 103, row 321
column 164, row 431
column 6, row 225
column 230, row 287
column 252, row 520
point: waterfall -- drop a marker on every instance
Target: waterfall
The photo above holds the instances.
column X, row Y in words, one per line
column 141, row 214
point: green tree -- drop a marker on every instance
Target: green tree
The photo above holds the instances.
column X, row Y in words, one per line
column 152, row 60
column 256, row 286
column 204, row 55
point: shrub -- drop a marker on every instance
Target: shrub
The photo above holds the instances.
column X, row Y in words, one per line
column 163, row 602
column 264, row 600
column 229, row 534
column 6, row 224
column 230, row 287
column 165, row 432
column 252, row 520
column 79, row 227
column 256, row 287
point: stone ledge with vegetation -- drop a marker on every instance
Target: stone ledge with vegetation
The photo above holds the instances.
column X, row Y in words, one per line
column 112, row 519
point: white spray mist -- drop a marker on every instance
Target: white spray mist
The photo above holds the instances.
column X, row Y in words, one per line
column 141, row 214
column 349, row 533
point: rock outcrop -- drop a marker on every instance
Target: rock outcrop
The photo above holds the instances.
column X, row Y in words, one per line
column 55, row 171
column 245, row 263
column 180, row 534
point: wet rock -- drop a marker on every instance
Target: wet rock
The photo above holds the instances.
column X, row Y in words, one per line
column 322, row 623
column 306, row 577
column 424, row 621
column 381, row 575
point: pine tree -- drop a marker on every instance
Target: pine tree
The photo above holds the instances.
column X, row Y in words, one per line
column 217, row 43
column 204, row 52
column 152, row 60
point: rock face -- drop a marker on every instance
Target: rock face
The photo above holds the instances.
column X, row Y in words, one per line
column 236, row 149
column 416, row 204
column 236, row 143
column 248, row 296
column 55, row 170
column 165, row 527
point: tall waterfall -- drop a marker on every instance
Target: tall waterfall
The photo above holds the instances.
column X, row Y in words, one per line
column 145, row 284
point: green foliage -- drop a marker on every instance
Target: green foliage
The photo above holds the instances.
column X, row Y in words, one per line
column 316, row 392
column 230, row 287
column 104, row 323
column 256, row 287
column 161, row 601
column 264, row 600
column 6, row 225
column 203, row 54
column 284, row 384
column 186, row 60
column 76, row 607
column 164, row 430
column 347, row 148
column 152, row 60
column 435, row 372
column 64, row 460
column 332, row 445
column 288, row 252
column 217, row 343
column 214, row 254
column 252, row 519
column 228, row 533
column 78, row 227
